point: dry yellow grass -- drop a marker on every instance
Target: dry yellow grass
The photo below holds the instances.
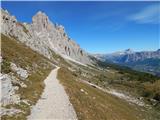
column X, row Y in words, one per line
column 95, row 104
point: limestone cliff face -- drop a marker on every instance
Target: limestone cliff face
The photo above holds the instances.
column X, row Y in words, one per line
column 43, row 36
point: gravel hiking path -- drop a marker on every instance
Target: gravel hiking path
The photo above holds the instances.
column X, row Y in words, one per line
column 54, row 103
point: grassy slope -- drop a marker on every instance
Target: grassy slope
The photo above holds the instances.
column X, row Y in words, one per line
column 38, row 67
column 123, row 79
column 132, row 74
column 134, row 81
column 97, row 105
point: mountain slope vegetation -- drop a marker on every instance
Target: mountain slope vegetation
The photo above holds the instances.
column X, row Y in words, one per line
column 91, row 103
column 38, row 68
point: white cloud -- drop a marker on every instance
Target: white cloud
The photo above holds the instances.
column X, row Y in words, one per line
column 150, row 14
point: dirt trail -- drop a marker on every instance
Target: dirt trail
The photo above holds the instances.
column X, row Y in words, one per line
column 54, row 103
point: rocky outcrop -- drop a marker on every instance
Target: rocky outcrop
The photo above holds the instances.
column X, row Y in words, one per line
column 10, row 112
column 43, row 36
column 8, row 91
column 23, row 74
column 10, row 83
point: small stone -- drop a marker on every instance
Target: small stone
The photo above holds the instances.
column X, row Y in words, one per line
column 82, row 90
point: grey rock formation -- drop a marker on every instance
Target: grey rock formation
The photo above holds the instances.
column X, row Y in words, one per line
column 43, row 36
column 12, row 111
column 8, row 95
column 23, row 74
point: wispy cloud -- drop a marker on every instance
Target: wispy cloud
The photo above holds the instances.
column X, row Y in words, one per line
column 150, row 14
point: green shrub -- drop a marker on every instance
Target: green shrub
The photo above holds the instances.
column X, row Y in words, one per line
column 146, row 94
column 157, row 96
column 5, row 67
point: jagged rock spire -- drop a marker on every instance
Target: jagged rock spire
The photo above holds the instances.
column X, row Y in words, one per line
column 40, row 21
column 44, row 37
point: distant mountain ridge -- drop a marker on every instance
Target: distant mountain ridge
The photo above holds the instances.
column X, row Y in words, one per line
column 147, row 61
column 43, row 36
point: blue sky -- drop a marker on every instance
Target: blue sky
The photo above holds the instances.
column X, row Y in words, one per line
column 100, row 27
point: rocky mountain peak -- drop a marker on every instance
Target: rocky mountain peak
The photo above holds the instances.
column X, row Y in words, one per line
column 6, row 17
column 40, row 21
column 158, row 50
column 129, row 50
column 43, row 36
column 40, row 15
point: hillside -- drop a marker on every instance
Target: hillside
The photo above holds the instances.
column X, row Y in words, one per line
column 91, row 102
column 23, row 72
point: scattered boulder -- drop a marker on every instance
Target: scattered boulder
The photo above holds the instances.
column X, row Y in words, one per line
column 23, row 74
column 11, row 111
column 82, row 90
